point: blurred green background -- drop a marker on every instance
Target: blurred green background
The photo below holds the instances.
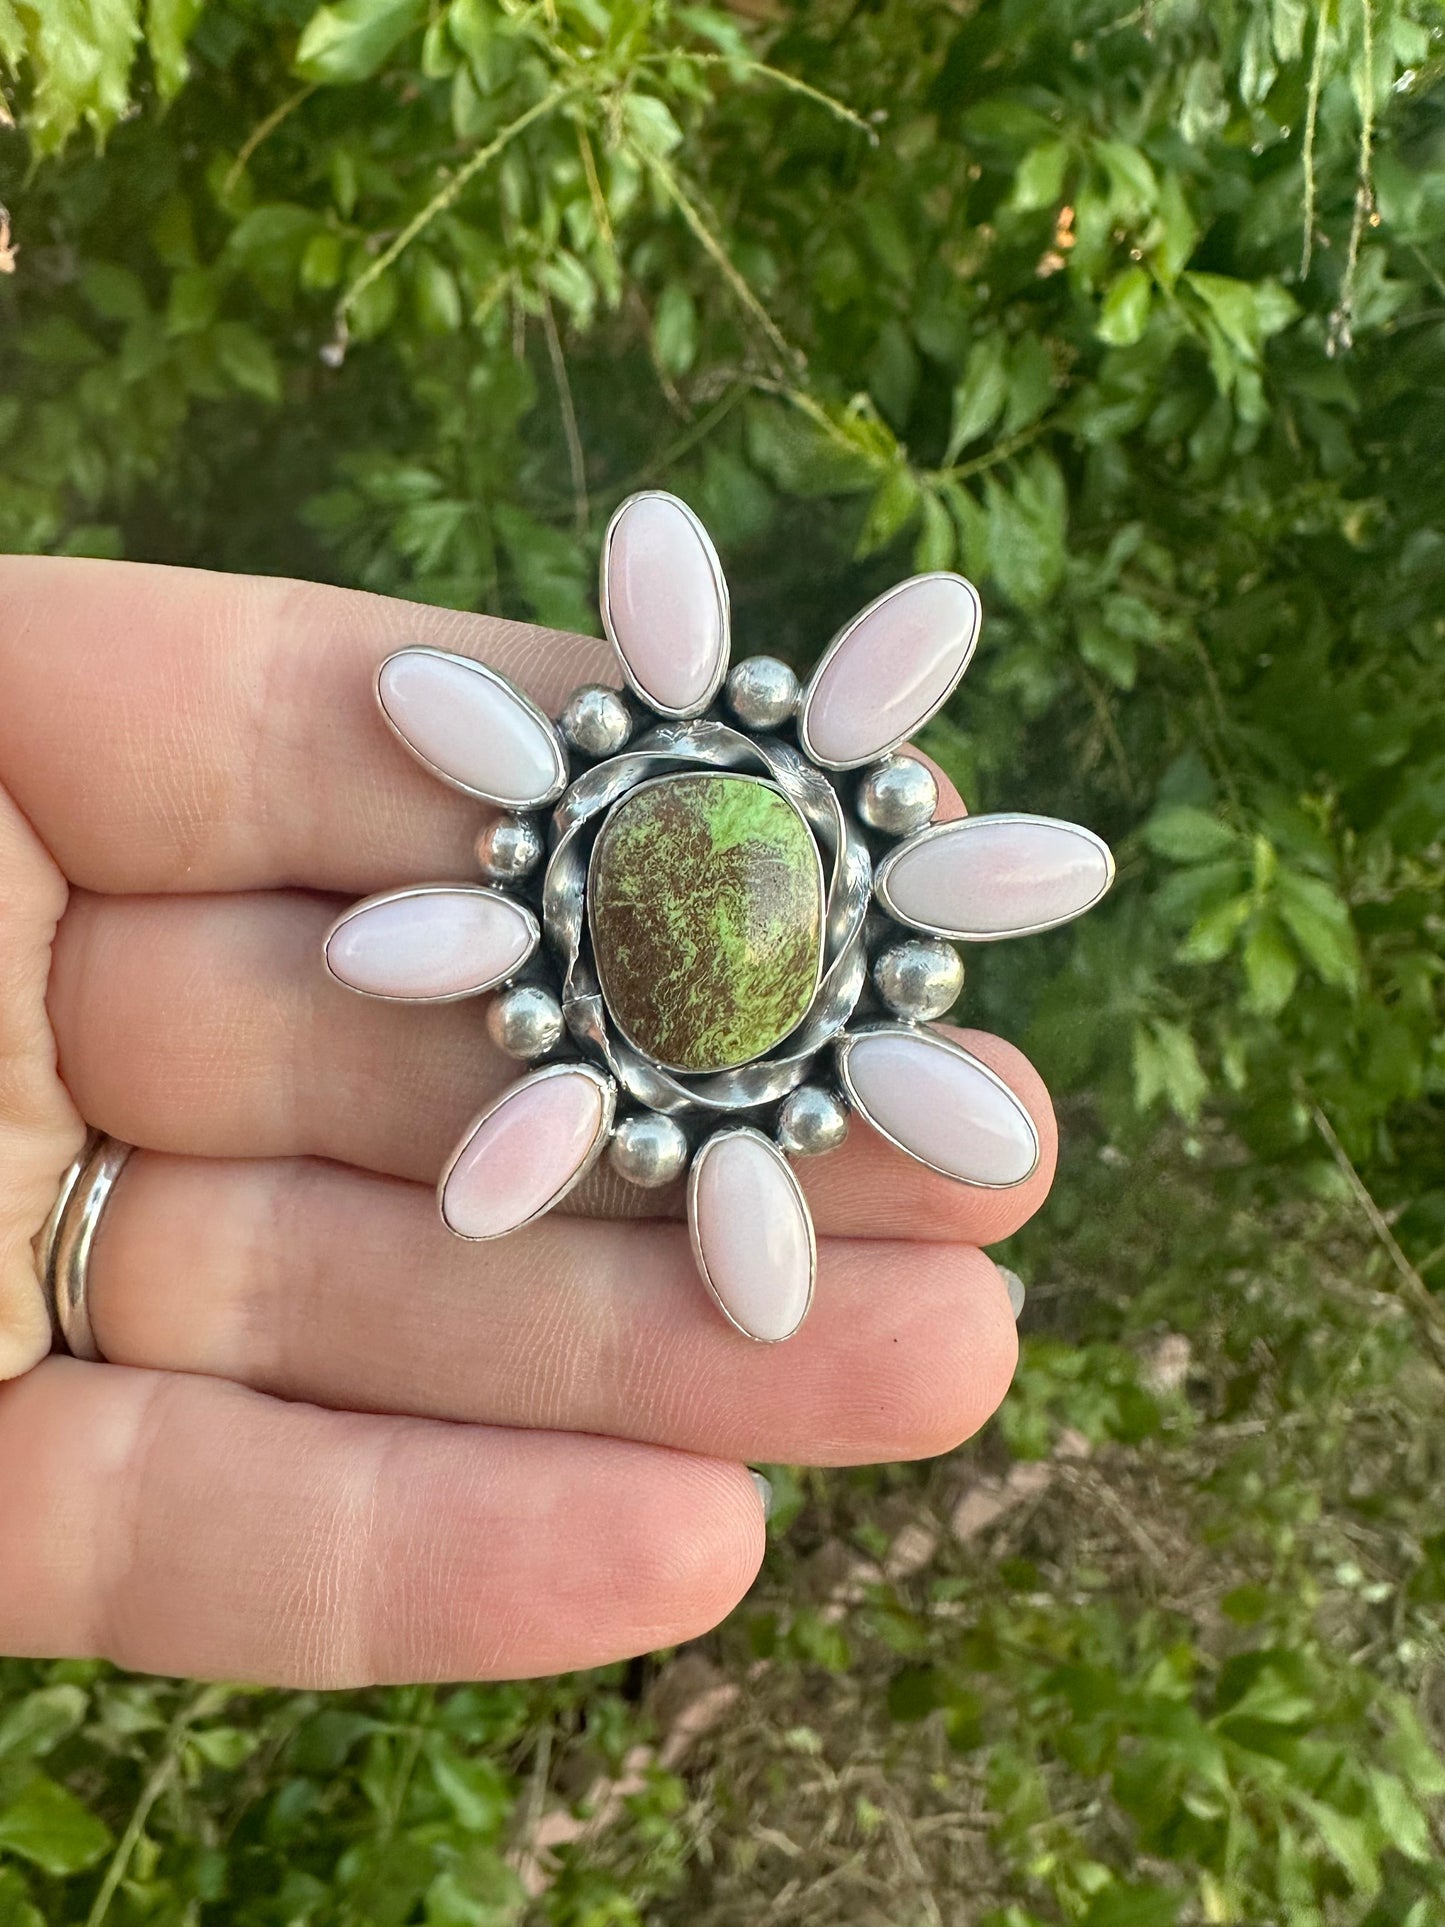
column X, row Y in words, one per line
column 1137, row 314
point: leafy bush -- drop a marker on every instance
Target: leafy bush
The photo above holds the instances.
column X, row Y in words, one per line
column 1136, row 315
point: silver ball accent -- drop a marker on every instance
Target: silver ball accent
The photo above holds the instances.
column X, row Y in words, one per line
column 596, row 721
column 649, row 1149
column 919, row 979
column 510, row 848
column 812, row 1119
column 898, row 796
column 762, row 692
column 525, row 1021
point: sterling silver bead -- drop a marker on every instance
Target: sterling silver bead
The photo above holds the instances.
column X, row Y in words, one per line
column 812, row 1119
column 898, row 796
column 649, row 1149
column 510, row 848
column 525, row 1021
column 596, row 721
column 919, row 979
column 762, row 692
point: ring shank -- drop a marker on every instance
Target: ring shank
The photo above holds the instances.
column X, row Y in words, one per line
column 63, row 1247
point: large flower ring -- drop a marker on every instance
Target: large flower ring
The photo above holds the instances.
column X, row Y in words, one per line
column 735, row 928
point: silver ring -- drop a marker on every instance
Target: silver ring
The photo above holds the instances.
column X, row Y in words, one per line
column 62, row 1250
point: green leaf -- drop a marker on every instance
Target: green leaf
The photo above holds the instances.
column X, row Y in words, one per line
column 80, row 54
column 114, row 292
column 438, row 298
column 1401, row 1819
column 169, row 24
column 979, row 398
column 1167, row 1065
column 224, row 1746
column 39, row 1721
column 350, row 39
column 937, row 544
column 1177, row 232
column 892, row 508
column 1319, row 922
column 1347, row 1841
column 651, row 123
column 675, row 329
column 1188, row 835
column 16, row 1907
column 248, row 360
column 1026, row 531
column 1125, row 312
column 46, row 1824
column 1271, row 968
column 1039, row 181
column 1112, row 654
column 1215, row 930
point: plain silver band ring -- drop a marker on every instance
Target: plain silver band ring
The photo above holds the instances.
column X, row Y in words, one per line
column 62, row 1251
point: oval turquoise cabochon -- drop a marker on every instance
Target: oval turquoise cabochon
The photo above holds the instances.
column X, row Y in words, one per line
column 705, row 905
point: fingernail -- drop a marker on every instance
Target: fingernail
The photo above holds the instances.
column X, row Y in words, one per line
column 1014, row 1286
column 765, row 1492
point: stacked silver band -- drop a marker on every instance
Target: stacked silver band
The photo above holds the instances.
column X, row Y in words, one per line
column 62, row 1250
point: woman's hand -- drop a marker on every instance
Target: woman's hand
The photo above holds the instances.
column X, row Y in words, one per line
column 269, row 1480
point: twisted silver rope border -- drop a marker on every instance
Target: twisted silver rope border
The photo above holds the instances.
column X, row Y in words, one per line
column 707, row 744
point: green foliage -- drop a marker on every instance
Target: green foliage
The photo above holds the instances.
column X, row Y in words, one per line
column 1136, row 316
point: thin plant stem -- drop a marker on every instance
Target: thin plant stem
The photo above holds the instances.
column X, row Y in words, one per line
column 780, row 78
column 673, row 189
column 208, row 1699
column 1341, row 331
column 576, row 459
column 1312, row 115
column 1417, row 1293
column 261, row 132
column 446, row 195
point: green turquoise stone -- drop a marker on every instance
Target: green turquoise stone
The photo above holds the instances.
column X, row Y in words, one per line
column 705, row 904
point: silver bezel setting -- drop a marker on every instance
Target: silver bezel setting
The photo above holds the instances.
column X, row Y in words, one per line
column 412, row 890
column 572, row 1067
column 720, row 591
column 892, row 1027
column 840, row 640
column 694, row 1179
column 957, row 827
column 518, row 805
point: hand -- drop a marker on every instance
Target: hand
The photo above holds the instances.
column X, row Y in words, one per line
column 269, row 1481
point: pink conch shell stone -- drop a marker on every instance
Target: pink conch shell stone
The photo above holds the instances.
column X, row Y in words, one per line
column 986, row 877
column 525, row 1153
column 753, row 1233
column 436, row 943
column 664, row 604
column 942, row 1105
column 889, row 670
column 472, row 727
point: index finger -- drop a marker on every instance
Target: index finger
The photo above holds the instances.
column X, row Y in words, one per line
column 169, row 729
column 175, row 730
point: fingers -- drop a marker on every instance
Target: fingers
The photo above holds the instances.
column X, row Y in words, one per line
column 207, row 1025
column 181, row 1525
column 318, row 1283
column 169, row 729
column 39, row 1130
